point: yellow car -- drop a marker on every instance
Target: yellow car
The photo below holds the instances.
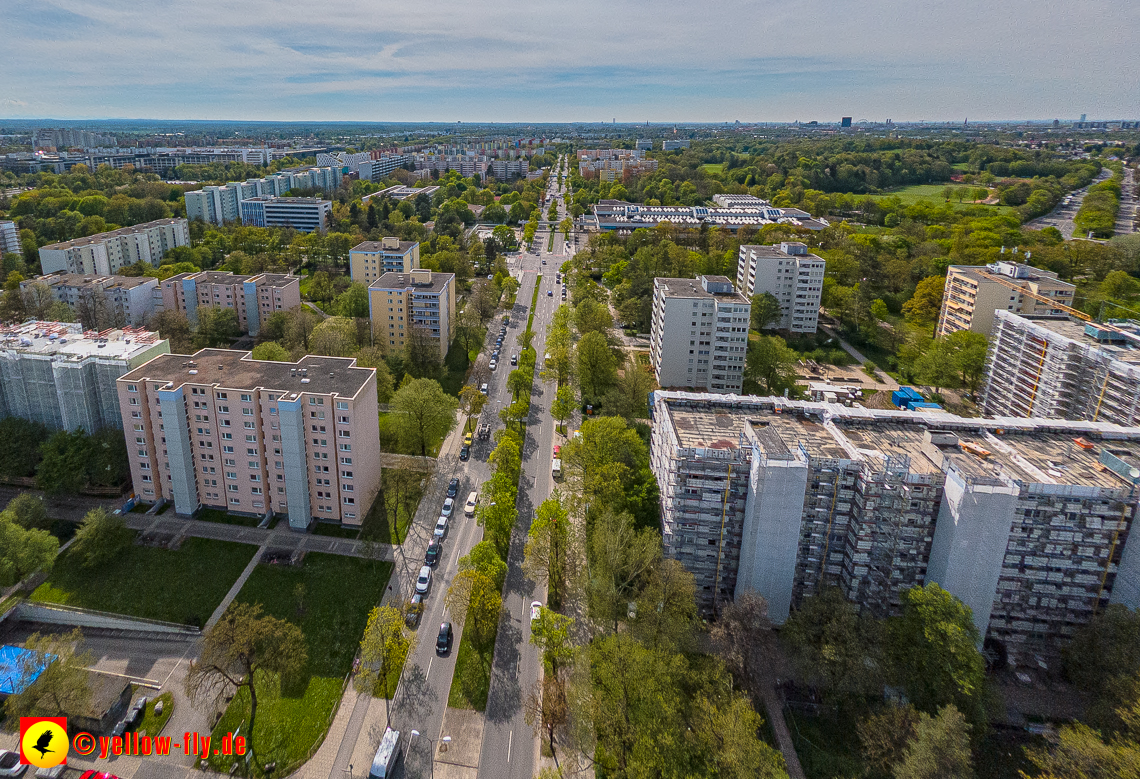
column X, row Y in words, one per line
column 467, row 440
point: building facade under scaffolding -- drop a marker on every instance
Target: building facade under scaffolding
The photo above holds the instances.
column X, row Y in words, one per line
column 1063, row 368
column 1026, row 521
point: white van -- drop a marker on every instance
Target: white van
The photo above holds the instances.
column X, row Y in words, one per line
column 472, row 501
column 556, row 468
column 386, row 755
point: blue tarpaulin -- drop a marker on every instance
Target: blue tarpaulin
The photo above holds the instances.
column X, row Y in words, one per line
column 15, row 663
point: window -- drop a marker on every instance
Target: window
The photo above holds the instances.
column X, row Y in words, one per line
column 223, row 409
column 133, row 401
column 231, row 474
column 222, row 396
column 247, row 412
column 232, row 488
column 251, row 439
column 227, row 436
column 227, row 449
column 341, row 405
column 346, row 447
column 344, row 433
column 346, row 474
column 251, row 452
column 142, row 453
column 346, row 461
column 235, row 501
column 254, row 464
column 255, row 490
column 132, row 388
column 249, row 425
column 349, row 501
column 247, row 398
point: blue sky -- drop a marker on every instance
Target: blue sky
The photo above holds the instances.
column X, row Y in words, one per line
column 543, row 61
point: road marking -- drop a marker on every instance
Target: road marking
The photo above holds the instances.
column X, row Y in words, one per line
column 510, row 738
column 456, row 558
column 430, row 661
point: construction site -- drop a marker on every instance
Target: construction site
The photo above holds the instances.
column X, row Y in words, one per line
column 1026, row 521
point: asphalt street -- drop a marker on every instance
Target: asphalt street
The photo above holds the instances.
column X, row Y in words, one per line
column 1062, row 216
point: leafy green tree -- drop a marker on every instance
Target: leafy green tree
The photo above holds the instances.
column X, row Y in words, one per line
column 546, row 555
column 833, row 645
column 100, row 538
column 726, row 733
column 384, row 648
column 334, row 337
column 765, row 311
column 667, row 608
column 622, row 559
column 590, row 316
column 884, row 737
column 940, row 748
column 59, row 668
column 217, row 327
column 738, row 638
column 475, row 602
column 938, row 366
column 371, row 357
column 23, row 551
column 551, row 633
column 634, row 384
column 772, row 364
column 597, row 366
column 485, row 559
column 29, row 511
column 926, row 302
column 65, row 463
column 424, row 413
column 321, row 287
column 563, row 405
column 518, row 382
column 272, row 351
column 353, row 302
column 422, row 353
column 968, row 352
column 21, row 453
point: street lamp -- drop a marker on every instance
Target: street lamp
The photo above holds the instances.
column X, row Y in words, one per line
column 444, row 740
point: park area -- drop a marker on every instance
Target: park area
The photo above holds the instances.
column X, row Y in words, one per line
column 935, row 193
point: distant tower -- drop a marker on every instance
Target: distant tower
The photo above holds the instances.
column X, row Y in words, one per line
column 845, row 121
column 1083, row 117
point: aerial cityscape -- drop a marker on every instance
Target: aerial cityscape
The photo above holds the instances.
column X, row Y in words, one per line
column 416, row 392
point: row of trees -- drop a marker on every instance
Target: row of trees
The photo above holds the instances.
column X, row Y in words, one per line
column 63, row 461
column 1098, row 210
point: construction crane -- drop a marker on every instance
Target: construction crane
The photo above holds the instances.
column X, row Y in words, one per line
column 1023, row 291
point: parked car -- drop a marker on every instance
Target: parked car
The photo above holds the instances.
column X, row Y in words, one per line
column 468, row 439
column 448, row 505
column 484, row 432
column 483, row 388
column 10, row 764
column 472, row 501
column 557, row 449
column 514, row 359
column 465, row 453
column 415, row 611
column 494, row 363
column 453, row 488
column 550, row 293
column 434, row 550
column 130, row 721
column 423, row 581
column 443, row 640
column 440, row 528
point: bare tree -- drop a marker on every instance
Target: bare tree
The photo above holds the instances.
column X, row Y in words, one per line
column 96, row 311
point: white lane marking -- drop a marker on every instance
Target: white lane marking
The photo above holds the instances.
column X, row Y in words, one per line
column 430, row 661
column 510, row 738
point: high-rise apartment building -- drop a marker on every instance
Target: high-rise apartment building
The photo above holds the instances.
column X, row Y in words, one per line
column 1028, row 522
column 58, row 375
column 1063, row 369
column 370, row 260
column 221, row 204
column 105, row 253
column 974, row 292
column 222, row 430
column 423, row 300
column 674, row 145
column 101, row 302
column 699, row 333
column 306, row 214
column 255, row 298
column 791, row 274
column 9, row 237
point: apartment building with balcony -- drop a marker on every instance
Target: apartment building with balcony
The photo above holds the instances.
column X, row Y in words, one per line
column 255, row 298
column 974, row 292
column 221, row 430
column 369, row 260
column 790, row 273
column 104, row 253
column 422, row 299
column 1029, row 522
column 699, row 334
column 221, row 204
column 121, row 300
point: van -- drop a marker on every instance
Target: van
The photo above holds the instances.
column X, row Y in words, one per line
column 386, row 755
column 556, row 468
column 472, row 501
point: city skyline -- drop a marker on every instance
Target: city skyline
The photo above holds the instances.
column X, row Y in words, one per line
column 517, row 62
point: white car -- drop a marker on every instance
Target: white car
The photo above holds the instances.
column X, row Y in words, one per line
column 10, row 764
column 535, row 610
column 483, row 388
column 423, row 582
column 494, row 364
column 448, row 505
column 440, row 528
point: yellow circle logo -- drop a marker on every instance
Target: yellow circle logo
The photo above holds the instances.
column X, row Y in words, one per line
column 45, row 744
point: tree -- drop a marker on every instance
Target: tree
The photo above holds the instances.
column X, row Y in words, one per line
column 1080, row 751
column 884, row 737
column 932, row 650
column 23, row 551
column 29, row 512
column 485, row 559
column 96, row 311
column 518, row 382
column 968, row 354
column 622, row 559
column 372, row 357
column 475, row 602
column 101, row 538
column 424, row 413
column 597, row 366
column 271, row 351
column 471, row 402
column 321, row 288
column 240, row 649
column 65, row 462
column 60, row 686
column 551, row 634
column 1117, row 284
column 422, row 352
column 590, row 316
column 667, row 607
column 21, row 453
column 727, row 733
column 299, row 325
column 217, row 327
column 38, row 300
column 546, row 708
column 738, row 638
column 937, row 366
column 833, row 645
column 334, row 337
column 926, row 302
column 174, row 327
column 484, row 300
column 467, row 331
column 510, row 288
column 563, row 405
column 546, row 554
column 772, row 364
column 940, row 748
column 635, row 384
column 765, row 311
column 384, row 648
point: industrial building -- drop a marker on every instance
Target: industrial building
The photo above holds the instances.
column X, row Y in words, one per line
column 699, row 334
column 422, row 299
column 255, row 298
column 256, row 437
column 1063, row 369
column 306, row 214
column 9, row 237
column 738, row 211
column 370, row 260
column 1026, row 521
column 58, row 375
column 105, row 253
column 791, row 274
column 974, row 292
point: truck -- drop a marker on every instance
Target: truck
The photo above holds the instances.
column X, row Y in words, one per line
column 386, row 755
column 484, row 432
column 556, row 468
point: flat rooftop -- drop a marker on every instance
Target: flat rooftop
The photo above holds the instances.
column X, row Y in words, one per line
column 224, row 277
column 393, row 280
column 236, row 369
column 122, row 231
column 692, row 288
column 378, row 246
column 1126, row 348
column 68, row 341
column 84, row 279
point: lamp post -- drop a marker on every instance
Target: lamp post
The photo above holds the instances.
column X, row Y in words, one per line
column 443, row 740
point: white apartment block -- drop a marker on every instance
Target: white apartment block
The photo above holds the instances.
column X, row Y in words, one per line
column 222, row 430
column 1028, row 522
column 104, row 253
column 9, row 238
column 791, row 274
column 973, row 293
column 128, row 300
column 699, row 334
column 221, row 204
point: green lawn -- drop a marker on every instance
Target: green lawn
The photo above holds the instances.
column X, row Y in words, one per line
column 225, row 518
column 402, row 493
column 334, row 530
column 152, row 725
column 472, row 678
column 713, row 167
column 933, row 193
column 339, row 593
column 183, row 586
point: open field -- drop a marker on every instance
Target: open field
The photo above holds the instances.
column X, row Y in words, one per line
column 933, row 193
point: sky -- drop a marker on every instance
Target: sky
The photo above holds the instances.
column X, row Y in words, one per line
column 584, row 61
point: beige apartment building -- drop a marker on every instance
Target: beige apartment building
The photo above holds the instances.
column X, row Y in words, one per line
column 254, row 297
column 221, row 430
column 370, row 260
column 423, row 299
column 105, row 253
column 974, row 292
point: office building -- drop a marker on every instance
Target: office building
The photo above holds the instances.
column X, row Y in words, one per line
column 370, row 260
column 104, row 253
column 674, row 145
column 101, row 302
column 58, row 375
column 1064, row 369
column 306, row 214
column 731, row 212
column 222, row 204
column 643, row 144
column 9, row 238
column 222, row 430
column 791, row 274
column 255, row 298
column 845, row 121
column 423, row 300
column 699, row 334
column 974, row 292
column 1028, row 522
